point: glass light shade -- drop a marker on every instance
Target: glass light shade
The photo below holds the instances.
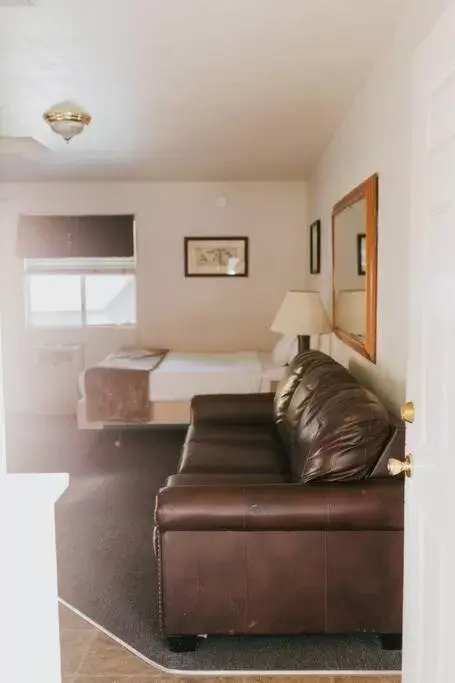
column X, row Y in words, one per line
column 67, row 129
column 67, row 119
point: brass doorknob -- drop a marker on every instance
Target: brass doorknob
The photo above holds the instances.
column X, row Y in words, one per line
column 396, row 467
column 408, row 412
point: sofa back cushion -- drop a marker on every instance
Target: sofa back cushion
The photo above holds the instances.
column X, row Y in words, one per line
column 333, row 427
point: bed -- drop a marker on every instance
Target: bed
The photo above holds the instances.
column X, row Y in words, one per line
column 143, row 386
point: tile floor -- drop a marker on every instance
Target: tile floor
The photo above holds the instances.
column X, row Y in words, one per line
column 89, row 656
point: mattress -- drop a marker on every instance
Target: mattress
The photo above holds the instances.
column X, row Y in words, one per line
column 183, row 375
column 180, row 376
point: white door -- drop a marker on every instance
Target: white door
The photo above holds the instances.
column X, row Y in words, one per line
column 429, row 617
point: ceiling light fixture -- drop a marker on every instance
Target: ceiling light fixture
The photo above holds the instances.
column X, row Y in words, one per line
column 67, row 119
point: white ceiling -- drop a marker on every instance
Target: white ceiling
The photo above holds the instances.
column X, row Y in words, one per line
column 185, row 89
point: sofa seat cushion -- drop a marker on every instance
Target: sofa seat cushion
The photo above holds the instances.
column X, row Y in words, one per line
column 233, row 408
column 230, row 449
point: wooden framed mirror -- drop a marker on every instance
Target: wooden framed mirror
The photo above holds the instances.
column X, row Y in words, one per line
column 354, row 245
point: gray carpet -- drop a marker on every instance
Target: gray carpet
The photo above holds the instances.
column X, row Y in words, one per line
column 105, row 550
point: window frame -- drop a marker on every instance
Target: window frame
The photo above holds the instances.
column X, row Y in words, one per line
column 82, row 267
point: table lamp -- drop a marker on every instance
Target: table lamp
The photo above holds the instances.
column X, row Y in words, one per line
column 302, row 314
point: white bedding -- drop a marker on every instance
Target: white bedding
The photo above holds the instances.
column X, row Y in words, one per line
column 180, row 376
column 183, row 375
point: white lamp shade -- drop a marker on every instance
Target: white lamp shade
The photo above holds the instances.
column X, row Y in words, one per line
column 351, row 311
column 301, row 313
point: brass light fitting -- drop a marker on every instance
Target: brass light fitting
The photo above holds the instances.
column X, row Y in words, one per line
column 67, row 119
column 408, row 412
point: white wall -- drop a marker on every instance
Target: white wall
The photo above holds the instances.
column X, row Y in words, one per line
column 375, row 137
column 173, row 311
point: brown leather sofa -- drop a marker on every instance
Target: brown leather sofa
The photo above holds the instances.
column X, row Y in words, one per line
column 282, row 518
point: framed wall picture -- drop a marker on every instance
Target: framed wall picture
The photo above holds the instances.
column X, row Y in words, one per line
column 315, row 247
column 216, row 256
column 361, row 253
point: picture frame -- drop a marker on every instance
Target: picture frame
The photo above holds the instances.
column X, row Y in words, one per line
column 216, row 256
column 315, row 247
column 361, row 253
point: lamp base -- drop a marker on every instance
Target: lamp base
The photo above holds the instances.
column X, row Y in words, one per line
column 303, row 343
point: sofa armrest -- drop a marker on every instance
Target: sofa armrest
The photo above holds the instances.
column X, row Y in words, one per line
column 363, row 505
column 238, row 408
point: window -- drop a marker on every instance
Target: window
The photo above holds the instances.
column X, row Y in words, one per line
column 80, row 291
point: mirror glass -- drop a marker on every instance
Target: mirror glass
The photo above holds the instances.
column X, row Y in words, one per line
column 354, row 226
column 350, row 269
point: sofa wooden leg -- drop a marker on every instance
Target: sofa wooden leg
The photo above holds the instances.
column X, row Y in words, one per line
column 392, row 641
column 182, row 643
